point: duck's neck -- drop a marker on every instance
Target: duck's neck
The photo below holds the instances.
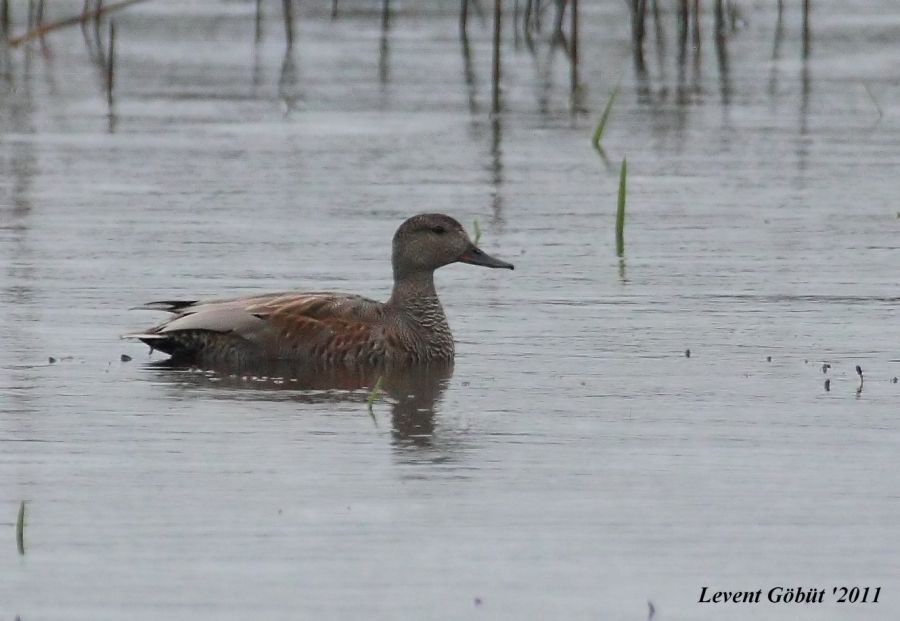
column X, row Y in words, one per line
column 416, row 304
column 414, row 293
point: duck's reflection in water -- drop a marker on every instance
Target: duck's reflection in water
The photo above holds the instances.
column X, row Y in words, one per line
column 414, row 393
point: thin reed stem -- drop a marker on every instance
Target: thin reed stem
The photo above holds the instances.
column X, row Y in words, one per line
column 463, row 17
column 806, row 34
column 495, row 66
column 111, row 63
column 288, row 13
column 573, row 26
column 20, row 528
column 620, row 210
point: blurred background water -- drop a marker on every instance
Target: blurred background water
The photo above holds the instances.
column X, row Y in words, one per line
column 576, row 463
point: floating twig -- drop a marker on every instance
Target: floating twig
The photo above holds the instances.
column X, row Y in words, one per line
column 860, row 374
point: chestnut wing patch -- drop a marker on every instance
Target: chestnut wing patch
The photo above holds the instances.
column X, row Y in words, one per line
column 320, row 325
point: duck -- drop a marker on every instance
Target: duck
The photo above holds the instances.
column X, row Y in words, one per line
column 329, row 328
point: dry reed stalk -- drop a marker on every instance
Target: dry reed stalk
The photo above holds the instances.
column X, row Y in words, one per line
column 34, row 32
column 257, row 22
column 4, row 18
column 573, row 8
column 463, row 17
column 495, row 65
column 111, row 63
column 806, row 7
column 288, row 12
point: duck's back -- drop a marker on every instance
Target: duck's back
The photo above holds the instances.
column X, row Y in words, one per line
column 312, row 327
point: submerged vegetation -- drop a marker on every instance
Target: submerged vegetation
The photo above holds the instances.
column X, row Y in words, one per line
column 374, row 395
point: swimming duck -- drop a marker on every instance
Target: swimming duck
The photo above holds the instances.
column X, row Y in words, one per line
column 327, row 328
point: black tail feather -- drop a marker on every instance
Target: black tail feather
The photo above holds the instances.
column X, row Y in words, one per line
column 170, row 306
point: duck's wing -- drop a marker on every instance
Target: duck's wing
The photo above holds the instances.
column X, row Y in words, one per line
column 296, row 324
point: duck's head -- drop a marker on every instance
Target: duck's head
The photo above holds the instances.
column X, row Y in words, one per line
column 428, row 241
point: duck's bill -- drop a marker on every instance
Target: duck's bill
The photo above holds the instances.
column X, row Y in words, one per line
column 476, row 256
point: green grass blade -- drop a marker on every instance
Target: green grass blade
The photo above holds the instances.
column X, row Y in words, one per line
column 20, row 529
column 477, row 232
column 601, row 125
column 620, row 210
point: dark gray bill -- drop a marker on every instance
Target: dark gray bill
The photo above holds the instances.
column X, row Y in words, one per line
column 476, row 256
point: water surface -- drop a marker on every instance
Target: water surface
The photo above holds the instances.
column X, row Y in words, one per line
column 575, row 463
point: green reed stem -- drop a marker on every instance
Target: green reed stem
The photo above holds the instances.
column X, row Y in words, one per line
column 20, row 528
column 601, row 125
column 620, row 210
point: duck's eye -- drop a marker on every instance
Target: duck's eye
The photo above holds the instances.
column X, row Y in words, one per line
column 439, row 230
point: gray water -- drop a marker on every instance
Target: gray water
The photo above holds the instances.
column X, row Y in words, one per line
column 576, row 463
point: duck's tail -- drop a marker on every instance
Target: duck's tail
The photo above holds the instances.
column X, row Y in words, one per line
column 160, row 342
column 169, row 306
